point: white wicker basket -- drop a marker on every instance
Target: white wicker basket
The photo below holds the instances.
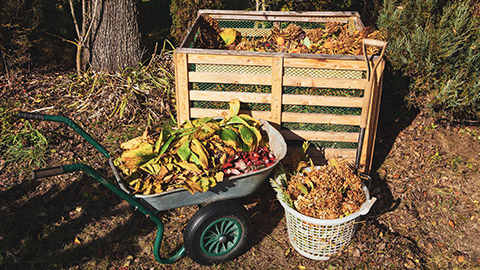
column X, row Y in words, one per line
column 319, row 238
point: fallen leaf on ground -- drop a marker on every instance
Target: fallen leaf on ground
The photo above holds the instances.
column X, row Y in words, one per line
column 77, row 241
column 451, row 224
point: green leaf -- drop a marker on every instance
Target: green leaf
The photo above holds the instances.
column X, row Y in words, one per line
column 247, row 137
column 237, row 120
column 184, row 150
column 165, row 146
column 194, row 158
column 229, row 137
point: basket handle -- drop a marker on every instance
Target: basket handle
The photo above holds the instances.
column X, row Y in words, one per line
column 366, row 206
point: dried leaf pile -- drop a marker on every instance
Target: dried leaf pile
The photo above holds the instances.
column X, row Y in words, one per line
column 196, row 156
column 332, row 38
column 326, row 192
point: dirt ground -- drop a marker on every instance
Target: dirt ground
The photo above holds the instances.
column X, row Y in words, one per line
column 425, row 178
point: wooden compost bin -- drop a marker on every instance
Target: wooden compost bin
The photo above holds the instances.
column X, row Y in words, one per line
column 328, row 100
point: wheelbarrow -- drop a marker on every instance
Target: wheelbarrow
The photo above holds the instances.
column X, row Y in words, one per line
column 216, row 233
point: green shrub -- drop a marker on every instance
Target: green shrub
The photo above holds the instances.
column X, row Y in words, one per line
column 436, row 44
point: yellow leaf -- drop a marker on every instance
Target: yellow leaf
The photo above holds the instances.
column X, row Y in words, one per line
column 229, row 35
column 249, row 119
column 189, row 166
column 205, row 183
column 200, row 150
column 149, row 189
column 134, row 157
column 301, row 267
column 234, row 107
column 219, row 176
column 192, row 186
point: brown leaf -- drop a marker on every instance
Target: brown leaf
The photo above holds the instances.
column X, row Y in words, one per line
column 451, row 224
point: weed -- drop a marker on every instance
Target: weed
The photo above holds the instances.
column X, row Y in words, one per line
column 26, row 146
column 455, row 162
column 435, row 157
column 432, row 126
column 471, row 132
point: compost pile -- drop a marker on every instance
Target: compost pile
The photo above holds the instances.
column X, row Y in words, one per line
column 196, row 156
column 327, row 192
column 331, row 38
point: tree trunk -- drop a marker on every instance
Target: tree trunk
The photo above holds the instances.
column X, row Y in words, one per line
column 114, row 43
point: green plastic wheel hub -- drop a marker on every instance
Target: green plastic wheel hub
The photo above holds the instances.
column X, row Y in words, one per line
column 220, row 237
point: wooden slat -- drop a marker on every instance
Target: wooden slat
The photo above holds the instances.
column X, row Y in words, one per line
column 276, row 18
column 347, row 154
column 324, row 82
column 317, row 118
column 320, row 135
column 281, row 13
column 181, row 86
column 229, row 60
column 270, row 54
column 326, row 64
column 227, row 96
column 200, row 112
column 332, row 101
column 277, row 76
column 208, row 77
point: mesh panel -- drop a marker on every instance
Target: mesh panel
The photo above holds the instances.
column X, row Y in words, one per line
column 325, row 144
column 321, row 109
column 224, row 105
column 324, row 73
column 294, row 90
column 321, row 127
column 231, row 69
column 269, row 24
column 228, row 87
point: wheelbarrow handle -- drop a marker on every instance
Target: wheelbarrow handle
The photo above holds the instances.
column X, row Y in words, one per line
column 31, row 116
column 47, row 172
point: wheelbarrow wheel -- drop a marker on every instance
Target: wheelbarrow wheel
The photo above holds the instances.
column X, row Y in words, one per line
column 217, row 233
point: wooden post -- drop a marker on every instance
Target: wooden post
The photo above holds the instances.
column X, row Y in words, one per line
column 181, row 87
column 277, row 83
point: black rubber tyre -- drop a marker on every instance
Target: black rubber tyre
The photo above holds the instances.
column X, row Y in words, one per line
column 217, row 233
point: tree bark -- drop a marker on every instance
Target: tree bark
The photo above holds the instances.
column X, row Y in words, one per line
column 114, row 43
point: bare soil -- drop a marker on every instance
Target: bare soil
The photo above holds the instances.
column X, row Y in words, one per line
column 425, row 176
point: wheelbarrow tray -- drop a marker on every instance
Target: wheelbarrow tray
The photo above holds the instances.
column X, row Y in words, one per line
column 230, row 188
